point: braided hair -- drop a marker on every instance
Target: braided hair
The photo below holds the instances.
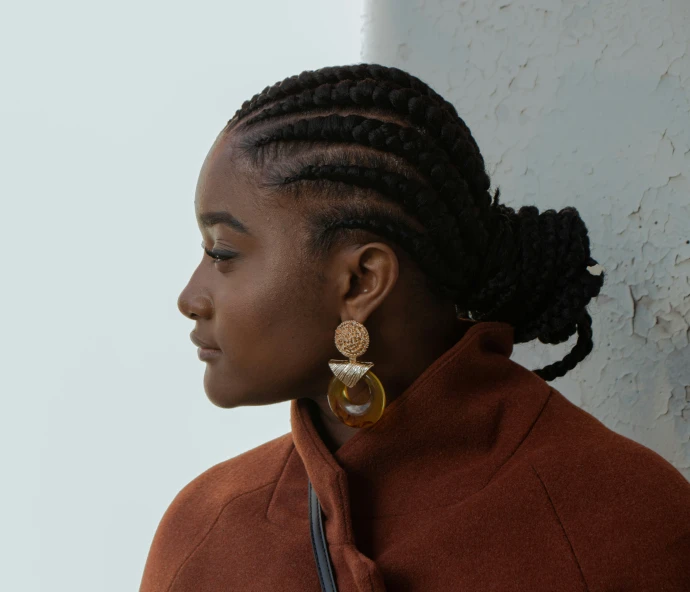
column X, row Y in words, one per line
column 385, row 154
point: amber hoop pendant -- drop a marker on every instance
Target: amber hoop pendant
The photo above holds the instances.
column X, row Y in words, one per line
column 352, row 340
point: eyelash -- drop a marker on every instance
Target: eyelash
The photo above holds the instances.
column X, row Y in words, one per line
column 217, row 256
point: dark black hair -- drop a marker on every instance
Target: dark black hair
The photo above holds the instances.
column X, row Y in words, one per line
column 391, row 156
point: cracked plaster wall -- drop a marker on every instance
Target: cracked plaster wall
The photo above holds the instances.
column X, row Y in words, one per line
column 585, row 104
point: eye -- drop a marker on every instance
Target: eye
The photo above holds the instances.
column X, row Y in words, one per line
column 219, row 255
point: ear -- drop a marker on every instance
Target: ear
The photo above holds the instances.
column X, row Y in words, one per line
column 366, row 275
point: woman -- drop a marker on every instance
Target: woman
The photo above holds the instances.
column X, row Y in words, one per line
column 346, row 214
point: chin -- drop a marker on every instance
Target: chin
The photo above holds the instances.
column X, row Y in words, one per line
column 223, row 403
column 223, row 394
column 228, row 393
column 224, row 399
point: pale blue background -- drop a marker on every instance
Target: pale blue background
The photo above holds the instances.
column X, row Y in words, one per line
column 107, row 111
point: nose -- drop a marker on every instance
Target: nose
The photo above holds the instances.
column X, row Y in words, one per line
column 193, row 304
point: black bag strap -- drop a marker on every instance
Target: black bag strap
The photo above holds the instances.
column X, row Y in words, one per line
column 319, row 543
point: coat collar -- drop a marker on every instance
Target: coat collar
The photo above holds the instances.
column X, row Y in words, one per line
column 441, row 440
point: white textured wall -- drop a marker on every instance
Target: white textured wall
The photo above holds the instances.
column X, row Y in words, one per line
column 582, row 103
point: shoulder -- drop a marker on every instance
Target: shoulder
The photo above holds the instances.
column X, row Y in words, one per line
column 239, row 475
column 572, row 446
column 623, row 507
column 197, row 506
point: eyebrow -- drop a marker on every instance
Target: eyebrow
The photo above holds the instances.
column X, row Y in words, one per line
column 226, row 218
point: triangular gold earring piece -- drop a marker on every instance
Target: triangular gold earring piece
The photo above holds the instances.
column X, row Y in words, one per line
column 349, row 373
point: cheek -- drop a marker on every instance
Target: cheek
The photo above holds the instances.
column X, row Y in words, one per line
column 274, row 315
column 275, row 335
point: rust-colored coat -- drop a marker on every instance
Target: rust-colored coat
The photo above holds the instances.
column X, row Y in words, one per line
column 480, row 476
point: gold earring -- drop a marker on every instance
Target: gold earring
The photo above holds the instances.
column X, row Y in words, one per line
column 352, row 340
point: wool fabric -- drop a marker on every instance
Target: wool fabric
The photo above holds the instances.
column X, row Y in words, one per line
column 480, row 476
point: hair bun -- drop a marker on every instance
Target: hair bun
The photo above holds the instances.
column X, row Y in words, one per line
column 538, row 276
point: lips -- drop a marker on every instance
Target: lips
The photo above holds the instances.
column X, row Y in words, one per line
column 196, row 340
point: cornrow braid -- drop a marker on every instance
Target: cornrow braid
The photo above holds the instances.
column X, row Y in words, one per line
column 418, row 200
column 310, row 79
column 386, row 154
column 401, row 141
column 421, row 110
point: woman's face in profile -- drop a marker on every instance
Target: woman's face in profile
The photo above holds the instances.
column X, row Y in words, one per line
column 261, row 302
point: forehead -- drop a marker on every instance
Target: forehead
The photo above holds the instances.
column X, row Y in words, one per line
column 228, row 184
column 225, row 177
column 228, row 196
